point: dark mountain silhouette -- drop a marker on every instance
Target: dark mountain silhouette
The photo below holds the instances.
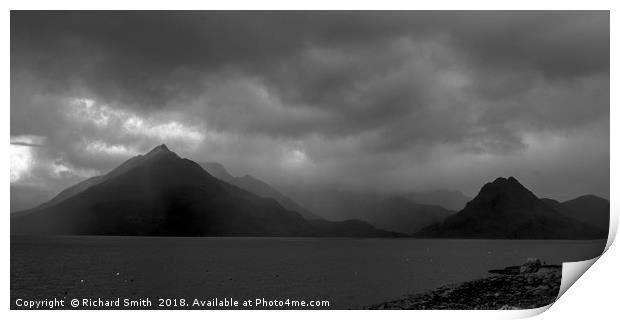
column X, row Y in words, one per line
column 162, row 194
column 506, row 209
column 588, row 209
column 449, row 199
column 257, row 187
column 388, row 212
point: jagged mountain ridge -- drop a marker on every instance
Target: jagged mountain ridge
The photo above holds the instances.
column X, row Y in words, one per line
column 161, row 194
column 505, row 209
column 258, row 187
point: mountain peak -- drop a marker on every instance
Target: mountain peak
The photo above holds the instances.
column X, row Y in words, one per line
column 505, row 208
column 509, row 180
column 504, row 192
column 161, row 149
column 505, row 183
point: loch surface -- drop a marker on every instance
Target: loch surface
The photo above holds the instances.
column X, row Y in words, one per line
column 349, row 273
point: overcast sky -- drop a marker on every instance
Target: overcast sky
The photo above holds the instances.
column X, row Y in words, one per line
column 384, row 100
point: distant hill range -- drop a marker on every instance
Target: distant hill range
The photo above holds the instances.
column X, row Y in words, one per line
column 505, row 209
column 393, row 213
column 399, row 214
column 589, row 209
column 257, row 187
column 449, row 199
column 161, row 194
column 390, row 212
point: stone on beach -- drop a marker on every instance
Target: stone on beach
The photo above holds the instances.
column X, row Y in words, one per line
column 531, row 265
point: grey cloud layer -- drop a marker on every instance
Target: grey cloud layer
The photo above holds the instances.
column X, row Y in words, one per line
column 385, row 87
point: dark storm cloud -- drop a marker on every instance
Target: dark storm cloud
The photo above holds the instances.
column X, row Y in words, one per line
column 151, row 58
column 354, row 92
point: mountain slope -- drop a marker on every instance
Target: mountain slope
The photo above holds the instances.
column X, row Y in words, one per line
column 161, row 194
column 257, row 187
column 388, row 212
column 92, row 181
column 588, row 209
column 505, row 209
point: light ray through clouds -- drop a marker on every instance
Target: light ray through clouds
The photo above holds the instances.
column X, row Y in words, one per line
column 21, row 161
column 22, row 155
column 32, row 165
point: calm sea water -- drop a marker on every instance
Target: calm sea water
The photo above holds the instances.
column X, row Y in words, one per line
column 350, row 273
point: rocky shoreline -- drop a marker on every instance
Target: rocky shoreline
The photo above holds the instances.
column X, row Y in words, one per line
column 531, row 285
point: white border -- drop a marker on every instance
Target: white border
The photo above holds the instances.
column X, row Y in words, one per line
column 593, row 295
